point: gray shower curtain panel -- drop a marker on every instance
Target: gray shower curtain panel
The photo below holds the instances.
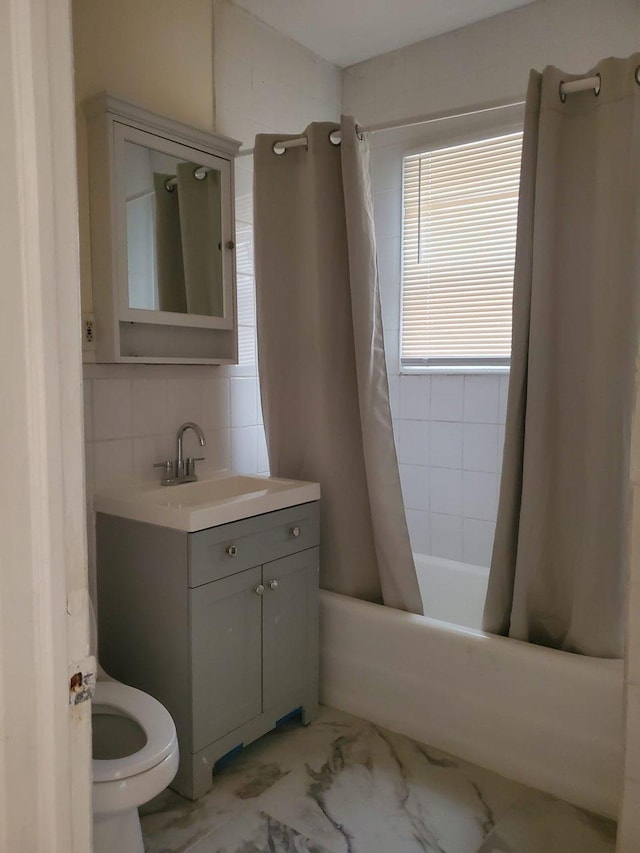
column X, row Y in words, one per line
column 321, row 358
column 558, row 572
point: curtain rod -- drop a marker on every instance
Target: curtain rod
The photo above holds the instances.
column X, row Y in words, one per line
column 580, row 85
column 441, row 115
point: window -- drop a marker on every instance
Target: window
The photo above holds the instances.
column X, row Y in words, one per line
column 458, row 251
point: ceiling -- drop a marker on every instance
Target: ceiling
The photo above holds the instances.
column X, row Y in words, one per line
column 349, row 31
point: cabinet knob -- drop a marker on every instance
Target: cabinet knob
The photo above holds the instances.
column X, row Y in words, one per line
column 294, row 531
column 272, row 584
column 232, row 550
column 259, row 590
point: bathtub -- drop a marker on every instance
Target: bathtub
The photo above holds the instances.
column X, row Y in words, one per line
column 548, row 719
column 451, row 591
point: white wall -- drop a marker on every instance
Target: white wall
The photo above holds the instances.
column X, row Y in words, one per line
column 490, row 59
column 161, row 59
column 449, row 429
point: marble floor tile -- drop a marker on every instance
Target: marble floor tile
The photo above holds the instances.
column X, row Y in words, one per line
column 256, row 833
column 344, row 785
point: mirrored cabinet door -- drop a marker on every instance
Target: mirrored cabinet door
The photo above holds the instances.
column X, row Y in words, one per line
column 177, row 267
column 162, row 237
column 174, row 233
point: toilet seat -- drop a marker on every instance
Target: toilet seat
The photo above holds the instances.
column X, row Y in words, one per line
column 152, row 717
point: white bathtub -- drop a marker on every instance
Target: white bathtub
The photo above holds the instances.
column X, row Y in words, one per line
column 546, row 718
column 452, row 591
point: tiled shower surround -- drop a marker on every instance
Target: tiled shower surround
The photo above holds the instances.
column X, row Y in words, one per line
column 449, row 436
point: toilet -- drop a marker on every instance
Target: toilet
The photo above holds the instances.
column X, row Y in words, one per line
column 135, row 757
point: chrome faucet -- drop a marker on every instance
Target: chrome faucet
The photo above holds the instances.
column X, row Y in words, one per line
column 182, row 470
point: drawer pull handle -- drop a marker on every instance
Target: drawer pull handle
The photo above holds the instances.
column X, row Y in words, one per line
column 232, row 550
column 259, row 590
column 294, row 531
column 272, row 584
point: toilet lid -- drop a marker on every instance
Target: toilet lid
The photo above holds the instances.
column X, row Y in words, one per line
column 152, row 717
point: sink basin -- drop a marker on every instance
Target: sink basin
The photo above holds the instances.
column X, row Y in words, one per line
column 223, row 498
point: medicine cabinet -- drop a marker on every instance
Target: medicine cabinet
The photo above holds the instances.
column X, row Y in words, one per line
column 162, row 237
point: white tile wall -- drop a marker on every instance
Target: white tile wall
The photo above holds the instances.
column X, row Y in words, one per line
column 131, row 422
column 447, row 398
column 112, row 410
column 415, row 486
column 446, row 444
column 451, row 464
column 413, row 442
column 446, row 536
column 415, row 392
column 462, row 416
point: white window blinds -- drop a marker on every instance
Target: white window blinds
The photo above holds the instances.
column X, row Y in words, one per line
column 459, row 230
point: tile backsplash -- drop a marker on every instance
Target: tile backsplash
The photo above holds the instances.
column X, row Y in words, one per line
column 131, row 421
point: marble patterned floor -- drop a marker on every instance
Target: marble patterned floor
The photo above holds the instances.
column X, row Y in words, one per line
column 343, row 785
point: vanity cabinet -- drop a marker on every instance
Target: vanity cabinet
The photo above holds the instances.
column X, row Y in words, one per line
column 221, row 626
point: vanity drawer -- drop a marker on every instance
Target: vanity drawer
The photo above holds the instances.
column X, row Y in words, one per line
column 222, row 551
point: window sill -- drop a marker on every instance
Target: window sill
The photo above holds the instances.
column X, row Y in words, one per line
column 450, row 370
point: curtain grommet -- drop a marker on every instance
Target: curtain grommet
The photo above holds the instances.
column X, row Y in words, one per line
column 278, row 148
column 598, row 87
column 636, row 75
column 561, row 94
column 334, row 137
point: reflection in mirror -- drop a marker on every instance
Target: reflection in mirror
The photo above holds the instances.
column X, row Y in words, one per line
column 174, row 234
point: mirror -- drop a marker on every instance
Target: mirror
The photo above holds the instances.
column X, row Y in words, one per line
column 174, row 233
column 162, row 238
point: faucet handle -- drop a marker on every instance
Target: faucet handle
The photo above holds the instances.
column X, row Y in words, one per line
column 168, row 472
column 190, row 465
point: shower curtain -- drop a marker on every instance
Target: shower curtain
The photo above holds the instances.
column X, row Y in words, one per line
column 168, row 248
column 558, row 570
column 321, row 358
column 200, row 230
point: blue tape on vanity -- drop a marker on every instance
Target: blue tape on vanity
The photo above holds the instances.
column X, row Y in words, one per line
column 228, row 756
column 297, row 712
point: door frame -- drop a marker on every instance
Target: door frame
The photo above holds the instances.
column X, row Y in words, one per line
column 45, row 751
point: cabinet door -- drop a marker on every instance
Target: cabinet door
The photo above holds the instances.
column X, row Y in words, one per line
column 226, row 655
column 290, row 627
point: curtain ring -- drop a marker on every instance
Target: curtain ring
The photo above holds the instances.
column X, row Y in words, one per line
column 598, row 88
column 334, row 137
column 563, row 97
column 278, row 148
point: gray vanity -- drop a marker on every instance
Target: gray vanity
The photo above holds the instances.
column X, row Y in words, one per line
column 220, row 624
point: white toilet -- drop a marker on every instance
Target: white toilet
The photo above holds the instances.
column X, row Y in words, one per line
column 135, row 756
